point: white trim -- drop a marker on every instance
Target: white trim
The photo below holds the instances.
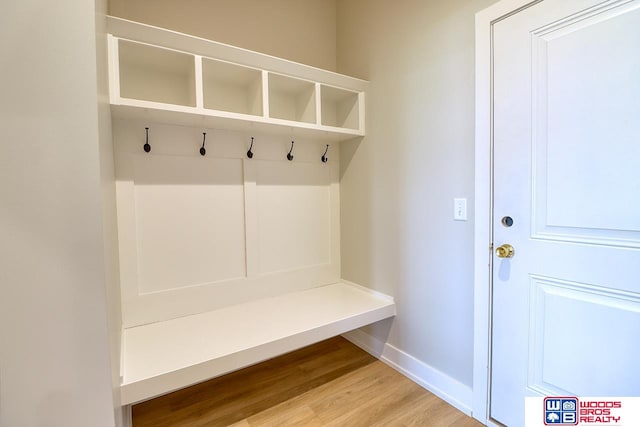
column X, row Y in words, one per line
column 482, row 231
column 199, row 81
column 252, row 249
column 114, row 69
column 446, row 388
column 127, row 417
column 318, row 104
column 483, row 203
column 265, row 95
column 361, row 108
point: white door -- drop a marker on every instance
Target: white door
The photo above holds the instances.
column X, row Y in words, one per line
column 566, row 117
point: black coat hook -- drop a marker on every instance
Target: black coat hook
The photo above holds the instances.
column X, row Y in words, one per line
column 146, row 145
column 289, row 155
column 250, row 153
column 324, row 157
column 203, row 151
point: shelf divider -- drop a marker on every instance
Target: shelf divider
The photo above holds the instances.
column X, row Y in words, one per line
column 199, row 85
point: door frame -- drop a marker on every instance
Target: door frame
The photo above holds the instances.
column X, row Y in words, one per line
column 483, row 245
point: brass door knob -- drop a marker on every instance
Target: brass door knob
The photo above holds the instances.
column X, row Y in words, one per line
column 505, row 251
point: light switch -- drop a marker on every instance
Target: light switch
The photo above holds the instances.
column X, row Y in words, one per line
column 460, row 209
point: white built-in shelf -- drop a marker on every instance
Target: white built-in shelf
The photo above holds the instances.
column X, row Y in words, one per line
column 165, row 356
column 163, row 76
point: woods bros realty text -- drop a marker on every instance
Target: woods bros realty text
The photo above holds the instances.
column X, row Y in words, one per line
column 572, row 411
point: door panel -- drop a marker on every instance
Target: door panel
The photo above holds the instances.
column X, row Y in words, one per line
column 585, row 121
column 566, row 97
column 599, row 324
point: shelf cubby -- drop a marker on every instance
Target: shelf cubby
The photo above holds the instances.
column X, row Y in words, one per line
column 162, row 76
column 292, row 99
column 150, row 73
column 232, row 88
column 339, row 107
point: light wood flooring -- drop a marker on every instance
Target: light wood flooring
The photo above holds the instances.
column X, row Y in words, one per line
column 332, row 383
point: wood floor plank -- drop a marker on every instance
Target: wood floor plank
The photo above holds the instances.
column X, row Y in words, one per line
column 233, row 397
column 286, row 415
column 380, row 400
column 327, row 401
column 332, row 383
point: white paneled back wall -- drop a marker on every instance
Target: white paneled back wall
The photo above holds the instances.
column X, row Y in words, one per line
column 198, row 233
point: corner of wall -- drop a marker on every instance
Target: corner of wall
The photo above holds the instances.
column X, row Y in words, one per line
column 107, row 182
column 445, row 387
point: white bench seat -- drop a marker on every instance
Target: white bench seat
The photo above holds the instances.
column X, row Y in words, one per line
column 165, row 356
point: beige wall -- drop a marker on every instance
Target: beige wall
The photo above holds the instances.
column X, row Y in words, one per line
column 398, row 184
column 299, row 30
column 54, row 356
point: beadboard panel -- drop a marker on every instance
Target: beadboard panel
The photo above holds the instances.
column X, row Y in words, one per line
column 189, row 219
column 198, row 233
column 294, row 221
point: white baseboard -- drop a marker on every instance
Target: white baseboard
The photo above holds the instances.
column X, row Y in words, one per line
column 446, row 388
column 127, row 419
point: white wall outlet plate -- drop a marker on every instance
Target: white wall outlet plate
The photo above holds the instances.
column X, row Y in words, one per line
column 460, row 209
